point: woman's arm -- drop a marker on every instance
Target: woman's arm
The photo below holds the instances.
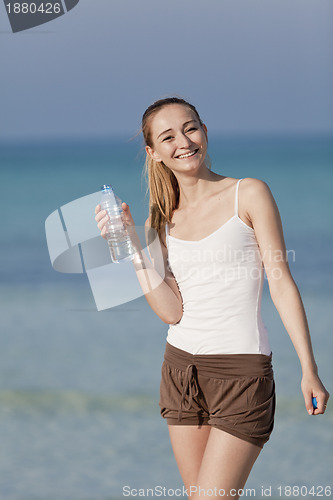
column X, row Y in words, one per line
column 157, row 282
column 162, row 294
column 264, row 215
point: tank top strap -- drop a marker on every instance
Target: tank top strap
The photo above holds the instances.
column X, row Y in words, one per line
column 166, row 234
column 236, row 197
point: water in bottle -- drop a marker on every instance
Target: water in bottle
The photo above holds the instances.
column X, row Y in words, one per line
column 119, row 241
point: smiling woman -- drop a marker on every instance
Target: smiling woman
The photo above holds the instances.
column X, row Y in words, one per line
column 217, row 390
column 180, row 143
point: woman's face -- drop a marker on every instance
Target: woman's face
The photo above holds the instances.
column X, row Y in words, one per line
column 178, row 139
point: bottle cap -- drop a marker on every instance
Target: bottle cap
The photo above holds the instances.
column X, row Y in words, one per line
column 105, row 187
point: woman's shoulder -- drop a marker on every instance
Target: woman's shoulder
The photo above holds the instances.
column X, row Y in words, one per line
column 248, row 187
column 255, row 200
column 252, row 187
column 255, row 196
column 249, row 183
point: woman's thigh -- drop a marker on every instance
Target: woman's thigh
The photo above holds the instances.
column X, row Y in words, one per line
column 188, row 444
column 226, row 464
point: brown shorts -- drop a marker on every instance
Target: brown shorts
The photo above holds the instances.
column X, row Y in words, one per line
column 233, row 392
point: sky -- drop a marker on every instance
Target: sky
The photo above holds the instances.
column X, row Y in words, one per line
column 250, row 67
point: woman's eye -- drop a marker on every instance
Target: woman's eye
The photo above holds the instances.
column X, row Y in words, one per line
column 167, row 138
column 190, row 129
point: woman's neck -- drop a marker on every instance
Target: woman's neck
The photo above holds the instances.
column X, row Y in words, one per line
column 195, row 190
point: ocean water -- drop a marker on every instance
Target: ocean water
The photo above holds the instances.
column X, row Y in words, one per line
column 79, row 388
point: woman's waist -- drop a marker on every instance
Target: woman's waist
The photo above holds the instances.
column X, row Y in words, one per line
column 220, row 365
column 227, row 318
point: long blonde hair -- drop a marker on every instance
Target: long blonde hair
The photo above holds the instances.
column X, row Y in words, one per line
column 162, row 184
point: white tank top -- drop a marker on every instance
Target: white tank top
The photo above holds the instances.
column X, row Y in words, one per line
column 220, row 278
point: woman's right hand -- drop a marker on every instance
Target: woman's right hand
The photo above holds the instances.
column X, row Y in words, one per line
column 101, row 218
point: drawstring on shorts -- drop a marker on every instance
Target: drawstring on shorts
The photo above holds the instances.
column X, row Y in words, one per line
column 189, row 381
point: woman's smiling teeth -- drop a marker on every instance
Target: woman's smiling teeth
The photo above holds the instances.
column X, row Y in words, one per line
column 188, row 155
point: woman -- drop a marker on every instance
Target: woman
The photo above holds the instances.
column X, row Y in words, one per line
column 216, row 235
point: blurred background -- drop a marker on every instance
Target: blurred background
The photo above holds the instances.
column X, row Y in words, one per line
column 79, row 389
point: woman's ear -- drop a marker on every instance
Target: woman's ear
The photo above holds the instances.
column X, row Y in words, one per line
column 152, row 154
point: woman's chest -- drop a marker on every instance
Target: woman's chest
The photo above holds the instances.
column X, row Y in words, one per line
column 197, row 225
column 232, row 244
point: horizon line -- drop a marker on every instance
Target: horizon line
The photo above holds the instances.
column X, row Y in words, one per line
column 34, row 140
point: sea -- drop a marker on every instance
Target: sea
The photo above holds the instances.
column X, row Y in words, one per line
column 79, row 388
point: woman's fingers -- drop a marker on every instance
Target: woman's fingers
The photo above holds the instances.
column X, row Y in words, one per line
column 320, row 406
column 102, row 217
column 308, row 402
column 127, row 214
column 102, row 221
column 99, row 213
column 322, row 399
column 103, row 231
column 314, row 388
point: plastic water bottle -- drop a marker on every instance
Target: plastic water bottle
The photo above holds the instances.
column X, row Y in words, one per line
column 119, row 241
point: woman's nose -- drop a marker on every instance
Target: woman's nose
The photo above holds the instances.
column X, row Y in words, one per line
column 183, row 141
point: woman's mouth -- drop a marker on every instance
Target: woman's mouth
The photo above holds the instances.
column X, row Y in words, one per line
column 188, row 155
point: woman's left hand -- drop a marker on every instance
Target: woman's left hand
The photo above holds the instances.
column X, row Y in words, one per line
column 312, row 387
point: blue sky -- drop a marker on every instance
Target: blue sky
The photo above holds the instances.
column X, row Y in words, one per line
column 250, row 67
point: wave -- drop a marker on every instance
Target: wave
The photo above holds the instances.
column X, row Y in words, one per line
column 41, row 401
